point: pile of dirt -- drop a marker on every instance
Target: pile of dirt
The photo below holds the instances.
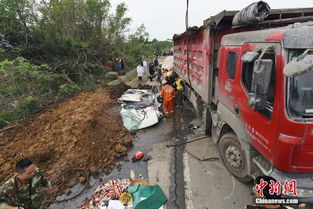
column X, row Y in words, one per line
column 116, row 92
column 83, row 132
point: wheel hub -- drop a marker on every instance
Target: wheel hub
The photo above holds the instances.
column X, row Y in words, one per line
column 233, row 157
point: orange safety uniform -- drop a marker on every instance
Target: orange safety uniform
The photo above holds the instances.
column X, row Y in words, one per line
column 168, row 93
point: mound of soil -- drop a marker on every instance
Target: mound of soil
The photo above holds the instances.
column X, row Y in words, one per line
column 84, row 132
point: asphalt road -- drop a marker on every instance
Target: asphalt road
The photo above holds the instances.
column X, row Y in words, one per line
column 192, row 175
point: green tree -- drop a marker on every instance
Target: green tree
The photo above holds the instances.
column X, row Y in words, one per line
column 60, row 47
column 16, row 18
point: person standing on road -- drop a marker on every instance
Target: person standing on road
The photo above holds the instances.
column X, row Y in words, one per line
column 159, row 73
column 179, row 86
column 140, row 71
column 26, row 189
column 156, row 62
column 110, row 65
column 151, row 70
column 117, row 66
column 168, row 93
column 122, row 63
column 144, row 63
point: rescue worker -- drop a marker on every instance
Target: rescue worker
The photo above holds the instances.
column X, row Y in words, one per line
column 168, row 94
column 170, row 77
column 26, row 189
column 179, row 86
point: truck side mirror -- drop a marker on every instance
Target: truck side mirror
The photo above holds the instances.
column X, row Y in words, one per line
column 260, row 83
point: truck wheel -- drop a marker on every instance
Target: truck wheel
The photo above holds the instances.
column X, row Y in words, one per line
column 234, row 157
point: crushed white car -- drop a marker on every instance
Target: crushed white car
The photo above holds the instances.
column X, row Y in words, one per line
column 140, row 108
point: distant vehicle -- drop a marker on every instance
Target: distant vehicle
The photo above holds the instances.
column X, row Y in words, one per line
column 168, row 53
column 254, row 86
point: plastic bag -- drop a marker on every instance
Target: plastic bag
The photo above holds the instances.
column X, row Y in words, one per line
column 144, row 197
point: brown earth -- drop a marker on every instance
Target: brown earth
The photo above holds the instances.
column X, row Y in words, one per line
column 81, row 133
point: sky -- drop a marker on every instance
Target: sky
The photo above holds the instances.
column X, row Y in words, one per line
column 164, row 18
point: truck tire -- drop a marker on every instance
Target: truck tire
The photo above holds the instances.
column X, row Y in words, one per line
column 234, row 157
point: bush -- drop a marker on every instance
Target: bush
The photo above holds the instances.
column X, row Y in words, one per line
column 29, row 105
column 67, row 89
column 6, row 115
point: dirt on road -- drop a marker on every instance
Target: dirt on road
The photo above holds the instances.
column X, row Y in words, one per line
column 82, row 132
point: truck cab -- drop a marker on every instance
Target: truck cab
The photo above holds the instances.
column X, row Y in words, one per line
column 266, row 97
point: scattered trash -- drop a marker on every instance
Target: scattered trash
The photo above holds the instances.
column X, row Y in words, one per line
column 82, row 179
column 138, row 156
column 135, row 181
column 125, row 198
column 106, row 192
column 146, row 158
column 116, row 204
column 127, row 193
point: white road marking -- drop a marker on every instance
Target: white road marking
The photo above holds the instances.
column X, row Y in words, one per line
column 188, row 189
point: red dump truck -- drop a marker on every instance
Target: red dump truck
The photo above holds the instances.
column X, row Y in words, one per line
column 253, row 85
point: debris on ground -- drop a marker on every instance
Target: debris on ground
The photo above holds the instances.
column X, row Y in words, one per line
column 146, row 158
column 82, row 132
column 147, row 196
column 138, row 156
column 126, row 193
column 140, row 108
column 106, row 192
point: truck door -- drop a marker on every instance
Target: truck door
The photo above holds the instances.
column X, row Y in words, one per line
column 260, row 125
column 229, row 59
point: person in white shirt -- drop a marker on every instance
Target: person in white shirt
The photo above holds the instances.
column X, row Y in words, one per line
column 140, row 71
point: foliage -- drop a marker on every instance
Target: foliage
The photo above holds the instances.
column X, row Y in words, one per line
column 55, row 48
column 25, row 88
column 30, row 104
column 67, row 89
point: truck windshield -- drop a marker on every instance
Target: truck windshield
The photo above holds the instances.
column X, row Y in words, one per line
column 301, row 94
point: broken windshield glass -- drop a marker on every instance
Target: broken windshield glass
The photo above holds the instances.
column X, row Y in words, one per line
column 299, row 65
